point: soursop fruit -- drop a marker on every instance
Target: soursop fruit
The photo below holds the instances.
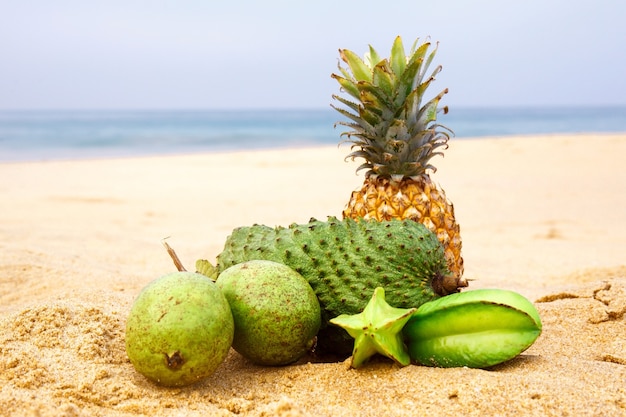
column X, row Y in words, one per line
column 344, row 261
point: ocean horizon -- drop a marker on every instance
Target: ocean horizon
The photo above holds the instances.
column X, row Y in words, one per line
column 37, row 135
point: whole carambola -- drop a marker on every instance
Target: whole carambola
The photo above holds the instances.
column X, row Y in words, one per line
column 345, row 260
column 477, row 329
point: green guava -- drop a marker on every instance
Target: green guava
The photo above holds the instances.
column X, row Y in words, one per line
column 276, row 313
column 179, row 329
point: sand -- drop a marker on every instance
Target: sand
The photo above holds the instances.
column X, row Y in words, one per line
column 541, row 215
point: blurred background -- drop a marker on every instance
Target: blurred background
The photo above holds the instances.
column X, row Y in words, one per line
column 548, row 58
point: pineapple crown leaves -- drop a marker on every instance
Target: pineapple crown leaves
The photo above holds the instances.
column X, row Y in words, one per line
column 391, row 130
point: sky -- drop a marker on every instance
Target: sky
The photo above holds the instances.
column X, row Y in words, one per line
column 203, row 54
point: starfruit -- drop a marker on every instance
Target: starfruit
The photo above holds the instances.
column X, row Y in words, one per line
column 476, row 329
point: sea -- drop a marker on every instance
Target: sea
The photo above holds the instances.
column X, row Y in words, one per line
column 40, row 135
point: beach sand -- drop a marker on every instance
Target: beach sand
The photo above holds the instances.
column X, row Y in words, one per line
column 541, row 215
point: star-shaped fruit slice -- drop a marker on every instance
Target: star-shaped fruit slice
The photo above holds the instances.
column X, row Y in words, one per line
column 377, row 329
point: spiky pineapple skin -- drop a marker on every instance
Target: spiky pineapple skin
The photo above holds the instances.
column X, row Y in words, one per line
column 345, row 260
column 416, row 198
column 394, row 130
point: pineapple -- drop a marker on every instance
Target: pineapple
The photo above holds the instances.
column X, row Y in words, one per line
column 397, row 136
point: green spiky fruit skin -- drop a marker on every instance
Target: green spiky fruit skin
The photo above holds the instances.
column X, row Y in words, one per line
column 344, row 261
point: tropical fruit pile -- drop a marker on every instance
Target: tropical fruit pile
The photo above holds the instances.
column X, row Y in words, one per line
column 383, row 280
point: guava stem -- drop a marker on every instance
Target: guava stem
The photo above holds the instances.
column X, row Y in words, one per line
column 175, row 258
